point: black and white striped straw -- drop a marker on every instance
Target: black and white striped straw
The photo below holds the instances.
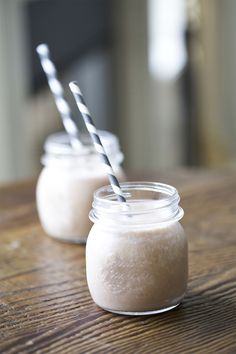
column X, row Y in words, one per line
column 96, row 140
column 58, row 93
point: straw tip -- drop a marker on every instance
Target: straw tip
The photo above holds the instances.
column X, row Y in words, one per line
column 42, row 49
column 74, row 87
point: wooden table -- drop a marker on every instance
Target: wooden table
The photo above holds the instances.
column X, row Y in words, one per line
column 45, row 306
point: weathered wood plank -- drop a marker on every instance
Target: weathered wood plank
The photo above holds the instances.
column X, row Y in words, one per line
column 45, row 305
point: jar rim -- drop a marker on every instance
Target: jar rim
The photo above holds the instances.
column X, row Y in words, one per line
column 110, row 199
column 58, row 150
column 59, row 144
column 161, row 204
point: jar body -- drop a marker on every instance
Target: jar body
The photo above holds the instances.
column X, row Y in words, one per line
column 64, row 200
column 137, row 271
column 65, row 188
column 137, row 251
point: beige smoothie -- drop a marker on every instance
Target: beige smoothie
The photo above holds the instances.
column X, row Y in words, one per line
column 64, row 198
column 137, row 251
column 137, row 271
column 65, row 187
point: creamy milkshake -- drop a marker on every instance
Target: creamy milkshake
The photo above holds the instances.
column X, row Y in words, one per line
column 136, row 255
column 67, row 182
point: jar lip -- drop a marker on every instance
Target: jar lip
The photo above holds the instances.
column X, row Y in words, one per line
column 147, row 203
column 110, row 202
column 58, row 150
column 58, row 144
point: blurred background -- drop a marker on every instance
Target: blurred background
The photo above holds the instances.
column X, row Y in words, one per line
column 161, row 74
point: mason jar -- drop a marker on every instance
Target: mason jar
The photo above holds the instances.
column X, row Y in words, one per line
column 136, row 252
column 65, row 187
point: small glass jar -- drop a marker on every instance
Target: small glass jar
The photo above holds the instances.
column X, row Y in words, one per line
column 136, row 252
column 65, row 187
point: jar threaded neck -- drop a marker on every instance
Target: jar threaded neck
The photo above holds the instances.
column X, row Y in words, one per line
column 147, row 203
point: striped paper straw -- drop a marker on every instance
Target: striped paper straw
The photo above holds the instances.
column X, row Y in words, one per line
column 96, row 140
column 58, row 93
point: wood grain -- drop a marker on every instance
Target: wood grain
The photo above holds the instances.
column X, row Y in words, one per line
column 45, row 305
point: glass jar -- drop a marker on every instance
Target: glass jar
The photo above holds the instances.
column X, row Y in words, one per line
column 65, row 187
column 136, row 252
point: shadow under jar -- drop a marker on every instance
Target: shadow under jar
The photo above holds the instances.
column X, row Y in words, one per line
column 65, row 187
column 137, row 253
